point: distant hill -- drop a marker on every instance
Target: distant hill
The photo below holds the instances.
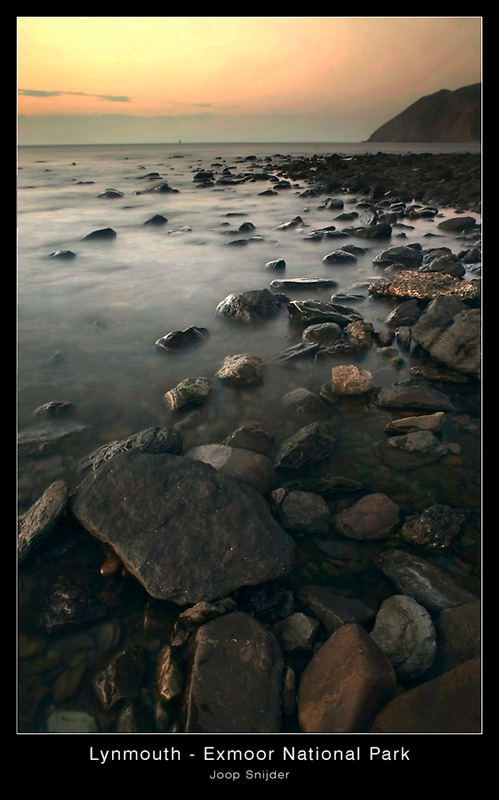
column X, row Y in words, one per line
column 444, row 116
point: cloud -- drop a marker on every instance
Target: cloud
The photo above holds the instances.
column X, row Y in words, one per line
column 42, row 93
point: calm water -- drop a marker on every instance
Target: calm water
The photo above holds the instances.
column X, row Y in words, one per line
column 87, row 326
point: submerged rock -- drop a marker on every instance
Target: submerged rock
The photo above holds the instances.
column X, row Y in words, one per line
column 111, row 193
column 303, row 283
column 304, row 512
column 312, row 443
column 374, row 516
column 251, row 468
column 252, row 436
column 37, row 522
column 250, row 306
column 186, row 551
column 332, row 609
column 324, row 333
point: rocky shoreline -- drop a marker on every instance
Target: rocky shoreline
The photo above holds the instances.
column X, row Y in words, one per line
column 167, row 584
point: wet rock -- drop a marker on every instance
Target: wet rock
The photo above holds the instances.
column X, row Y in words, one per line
column 169, row 676
column 360, row 334
column 435, row 527
column 426, row 422
column 459, row 635
column 332, row 609
column 247, row 227
column 242, row 369
column 251, row 468
column 189, row 392
column 345, row 684
column 379, row 230
column 252, row 436
column 267, row 192
column 423, row 286
column 296, row 633
column 303, row 283
column 339, row 257
column 176, row 339
column 278, row 265
column 310, row 312
column 202, row 612
column 451, row 333
column 36, row 523
column 374, row 516
column 157, row 219
column 310, row 444
column 347, row 379
column 304, row 512
column 302, row 403
column 49, row 437
column 186, row 552
column 422, row 446
column 63, row 254
column 111, row 194
column 101, row 233
column 450, row 703
column 406, row 313
column 250, row 306
column 237, row 243
column 300, row 350
column 121, row 678
column 324, row 333
column 405, row 633
column 149, row 440
column 286, row 226
column 413, row 394
column 67, row 721
column 203, row 176
column 229, row 653
column 449, row 265
column 399, row 254
column 54, row 408
column 427, row 583
column 457, row 224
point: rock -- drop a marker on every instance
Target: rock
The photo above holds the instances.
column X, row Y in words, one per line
column 300, row 350
column 451, row 333
column 111, row 194
column 64, row 254
column 302, row 403
column 399, row 254
column 458, row 635
column 360, row 334
column 379, row 230
column 62, row 721
column 324, row 333
column 405, row 313
column 237, row 243
column 49, row 437
column 277, row 265
column 267, row 192
column 242, row 369
column 339, row 257
column 374, row 516
column 303, row 283
column 54, row 408
column 405, row 633
column 423, row 286
column 121, row 678
column 175, row 339
column 413, row 393
column 37, row 522
column 268, row 602
column 235, row 679
column 309, row 312
column 186, row 551
column 149, row 440
column 450, row 703
column 202, row 612
column 189, row 392
column 246, row 227
column 169, row 676
column 435, row 527
column 101, row 233
column 426, row 422
column 332, row 609
column 157, row 219
column 345, row 684
column 252, row 468
column 250, row 306
column 131, row 720
column 430, row 585
column 310, row 444
column 252, row 436
column 304, row 512
column 449, row 265
column 457, row 224
column 289, row 692
column 286, row 226
column 68, row 681
column 421, row 447
column 203, row 176
column 296, row 632
column 350, row 380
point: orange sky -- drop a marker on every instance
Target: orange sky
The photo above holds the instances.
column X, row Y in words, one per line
column 353, row 73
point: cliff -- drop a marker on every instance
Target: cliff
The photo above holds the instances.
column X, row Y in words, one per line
column 444, row 116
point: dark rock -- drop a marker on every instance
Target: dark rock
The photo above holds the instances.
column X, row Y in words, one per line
column 235, row 680
column 406, row 313
column 458, row 635
column 121, row 678
column 310, row 312
column 451, row 333
column 300, row 350
column 252, row 436
column 101, row 233
column 374, row 516
column 303, row 283
column 111, row 193
column 310, row 444
column 448, row 265
column 380, row 230
column 175, row 339
column 276, row 266
column 413, row 393
column 290, row 225
column 345, row 684
column 332, row 609
column 149, row 440
column 457, row 224
column 54, row 408
column 247, row 226
column 296, row 633
column 408, row 256
column 157, row 219
column 434, row 528
column 302, row 403
column 186, row 551
column 62, row 254
column 304, row 512
column 405, row 633
column 38, row 521
column 267, row 192
column 450, row 703
column 253, row 469
column 324, row 333
column 237, row 243
column 250, row 306
column 430, row 585
column 339, row 257
column 269, row 602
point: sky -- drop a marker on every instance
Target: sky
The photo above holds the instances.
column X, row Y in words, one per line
column 99, row 80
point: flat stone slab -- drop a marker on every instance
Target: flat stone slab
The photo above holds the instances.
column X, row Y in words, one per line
column 176, row 524
column 423, row 286
column 235, row 678
column 414, row 394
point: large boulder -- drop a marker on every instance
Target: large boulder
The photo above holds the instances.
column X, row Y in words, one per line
column 235, row 678
column 176, row 524
column 451, row 333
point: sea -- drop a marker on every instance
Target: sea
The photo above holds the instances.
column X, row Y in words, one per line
column 87, row 326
